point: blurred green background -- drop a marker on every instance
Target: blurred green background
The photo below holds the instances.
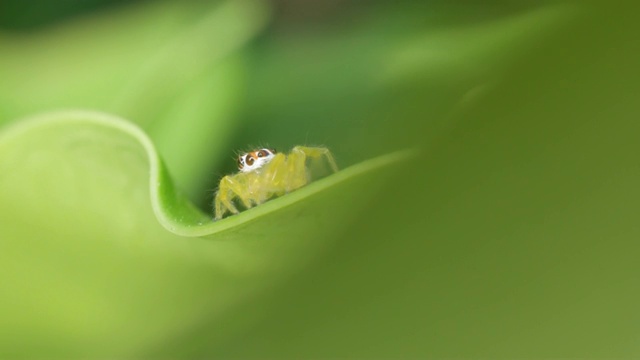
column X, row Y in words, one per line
column 512, row 232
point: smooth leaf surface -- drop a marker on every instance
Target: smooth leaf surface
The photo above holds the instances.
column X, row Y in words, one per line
column 89, row 269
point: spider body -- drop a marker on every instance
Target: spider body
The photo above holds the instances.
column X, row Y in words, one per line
column 264, row 173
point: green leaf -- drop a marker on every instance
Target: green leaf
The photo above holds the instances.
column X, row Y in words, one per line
column 103, row 256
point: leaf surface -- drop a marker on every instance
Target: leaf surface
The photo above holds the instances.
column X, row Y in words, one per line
column 111, row 256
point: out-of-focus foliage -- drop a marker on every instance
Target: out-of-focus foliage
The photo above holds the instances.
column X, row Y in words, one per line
column 88, row 269
column 172, row 67
column 510, row 231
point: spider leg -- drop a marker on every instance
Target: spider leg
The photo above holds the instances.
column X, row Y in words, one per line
column 296, row 170
column 317, row 153
column 226, row 191
column 274, row 174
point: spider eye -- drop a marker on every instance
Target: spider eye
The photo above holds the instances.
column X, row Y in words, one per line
column 240, row 162
column 250, row 160
column 262, row 153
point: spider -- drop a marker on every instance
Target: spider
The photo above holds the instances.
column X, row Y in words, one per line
column 264, row 173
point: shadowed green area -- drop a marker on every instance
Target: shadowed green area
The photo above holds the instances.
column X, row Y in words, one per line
column 507, row 230
column 515, row 235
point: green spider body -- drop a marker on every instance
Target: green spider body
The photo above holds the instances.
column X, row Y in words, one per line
column 265, row 174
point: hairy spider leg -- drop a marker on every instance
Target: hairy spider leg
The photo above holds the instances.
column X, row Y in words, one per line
column 298, row 158
column 230, row 186
column 297, row 175
column 317, row 153
column 252, row 187
column 272, row 178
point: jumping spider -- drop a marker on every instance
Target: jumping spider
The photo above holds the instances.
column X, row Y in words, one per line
column 264, row 173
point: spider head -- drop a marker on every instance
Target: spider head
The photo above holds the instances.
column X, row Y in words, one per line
column 255, row 159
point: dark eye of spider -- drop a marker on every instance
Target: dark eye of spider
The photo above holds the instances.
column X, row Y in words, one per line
column 262, row 153
column 250, row 160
